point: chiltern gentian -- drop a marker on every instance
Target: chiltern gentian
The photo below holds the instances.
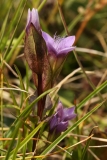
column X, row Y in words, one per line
column 45, row 55
column 59, row 121
column 58, row 49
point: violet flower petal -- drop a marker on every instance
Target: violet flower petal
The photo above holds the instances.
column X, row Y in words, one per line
column 47, row 37
column 65, row 45
column 62, row 126
column 66, row 42
column 49, row 42
column 35, row 19
column 65, row 51
column 60, row 110
column 68, row 113
column 53, row 122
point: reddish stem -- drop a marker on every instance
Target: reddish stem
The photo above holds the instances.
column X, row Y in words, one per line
column 41, row 102
column 40, row 109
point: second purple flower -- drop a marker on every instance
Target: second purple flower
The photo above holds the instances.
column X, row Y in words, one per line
column 59, row 121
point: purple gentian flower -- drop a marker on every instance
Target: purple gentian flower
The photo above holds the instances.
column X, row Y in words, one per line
column 58, row 45
column 59, row 121
column 58, row 49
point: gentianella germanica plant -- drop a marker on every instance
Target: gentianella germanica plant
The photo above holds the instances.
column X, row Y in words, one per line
column 45, row 56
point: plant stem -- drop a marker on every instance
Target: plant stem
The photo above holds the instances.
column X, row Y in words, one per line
column 41, row 102
column 40, row 109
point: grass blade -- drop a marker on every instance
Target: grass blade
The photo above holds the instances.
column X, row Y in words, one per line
column 4, row 27
column 28, row 138
column 97, row 90
column 26, row 112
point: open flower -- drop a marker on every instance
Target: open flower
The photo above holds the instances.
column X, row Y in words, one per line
column 58, row 45
column 59, row 121
column 58, row 48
